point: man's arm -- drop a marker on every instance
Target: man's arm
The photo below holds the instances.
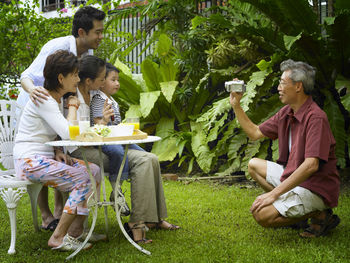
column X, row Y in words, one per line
column 304, row 171
column 34, row 73
column 252, row 130
column 36, row 93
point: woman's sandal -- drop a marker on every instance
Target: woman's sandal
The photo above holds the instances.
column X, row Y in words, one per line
column 143, row 228
column 158, row 226
column 327, row 224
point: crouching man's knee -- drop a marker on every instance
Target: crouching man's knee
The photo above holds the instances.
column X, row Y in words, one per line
column 256, row 166
column 264, row 218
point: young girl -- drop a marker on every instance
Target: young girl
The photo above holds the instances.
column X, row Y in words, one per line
column 103, row 100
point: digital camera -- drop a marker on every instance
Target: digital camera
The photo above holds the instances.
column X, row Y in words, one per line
column 235, row 85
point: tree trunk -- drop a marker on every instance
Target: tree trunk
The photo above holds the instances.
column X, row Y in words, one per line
column 331, row 8
column 316, row 9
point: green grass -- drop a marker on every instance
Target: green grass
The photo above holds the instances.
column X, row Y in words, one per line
column 216, row 227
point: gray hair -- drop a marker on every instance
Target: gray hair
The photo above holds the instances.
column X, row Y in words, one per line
column 300, row 72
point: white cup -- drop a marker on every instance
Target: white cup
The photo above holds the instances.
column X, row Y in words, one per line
column 84, row 123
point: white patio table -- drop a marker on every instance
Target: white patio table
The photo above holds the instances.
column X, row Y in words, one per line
column 96, row 203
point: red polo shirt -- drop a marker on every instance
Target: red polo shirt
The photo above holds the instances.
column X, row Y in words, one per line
column 311, row 137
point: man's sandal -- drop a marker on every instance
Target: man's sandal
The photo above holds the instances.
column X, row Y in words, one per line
column 300, row 225
column 330, row 222
column 158, row 226
column 51, row 226
column 143, row 228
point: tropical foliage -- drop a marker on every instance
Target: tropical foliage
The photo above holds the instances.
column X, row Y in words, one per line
column 245, row 39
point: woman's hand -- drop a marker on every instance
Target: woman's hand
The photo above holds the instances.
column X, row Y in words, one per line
column 73, row 100
column 107, row 112
column 62, row 157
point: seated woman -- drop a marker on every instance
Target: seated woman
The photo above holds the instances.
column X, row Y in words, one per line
column 40, row 163
column 147, row 196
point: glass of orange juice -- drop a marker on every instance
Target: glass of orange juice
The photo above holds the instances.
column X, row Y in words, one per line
column 73, row 129
column 133, row 121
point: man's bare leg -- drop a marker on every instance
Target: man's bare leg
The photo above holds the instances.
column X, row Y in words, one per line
column 257, row 169
column 58, row 204
column 43, row 203
column 270, row 217
column 77, row 226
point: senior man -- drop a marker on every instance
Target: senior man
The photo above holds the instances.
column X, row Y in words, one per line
column 304, row 183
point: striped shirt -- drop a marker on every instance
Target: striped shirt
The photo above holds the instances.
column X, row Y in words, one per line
column 96, row 108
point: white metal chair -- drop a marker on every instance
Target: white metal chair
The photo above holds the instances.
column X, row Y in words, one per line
column 12, row 188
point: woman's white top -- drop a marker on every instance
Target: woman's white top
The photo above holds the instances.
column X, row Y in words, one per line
column 38, row 125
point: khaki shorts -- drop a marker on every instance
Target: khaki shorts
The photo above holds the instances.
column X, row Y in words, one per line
column 297, row 202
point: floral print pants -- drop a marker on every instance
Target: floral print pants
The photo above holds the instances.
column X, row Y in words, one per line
column 74, row 179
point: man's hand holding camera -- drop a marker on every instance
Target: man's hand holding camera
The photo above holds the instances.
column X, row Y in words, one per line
column 236, row 88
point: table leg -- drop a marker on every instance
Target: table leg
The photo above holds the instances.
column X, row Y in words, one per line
column 103, row 189
column 94, row 205
column 121, row 201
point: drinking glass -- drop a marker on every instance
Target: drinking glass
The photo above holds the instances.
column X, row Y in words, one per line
column 84, row 123
column 73, row 129
column 133, row 121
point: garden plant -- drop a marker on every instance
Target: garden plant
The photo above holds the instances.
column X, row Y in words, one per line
column 248, row 40
column 180, row 96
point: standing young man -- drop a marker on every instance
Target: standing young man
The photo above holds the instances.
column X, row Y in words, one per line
column 304, row 183
column 86, row 35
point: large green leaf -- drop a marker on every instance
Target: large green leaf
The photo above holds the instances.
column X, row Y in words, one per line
column 129, row 89
column 275, row 152
column 250, row 152
column 336, row 121
column 291, row 16
column 147, row 101
column 341, row 5
column 346, row 101
column 200, row 148
column 151, row 74
column 133, row 111
column 168, row 89
column 168, row 70
column 256, row 79
column 263, row 151
column 290, row 40
column 224, row 142
column 235, row 144
column 166, row 149
column 197, row 20
column 214, row 132
column 164, row 45
column 140, row 81
column 219, row 20
column 219, row 107
column 343, row 83
column 122, row 67
column 234, row 167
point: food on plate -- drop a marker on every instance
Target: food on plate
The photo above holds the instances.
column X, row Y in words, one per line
column 102, row 130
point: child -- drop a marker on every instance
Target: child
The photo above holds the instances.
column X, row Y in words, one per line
column 103, row 101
